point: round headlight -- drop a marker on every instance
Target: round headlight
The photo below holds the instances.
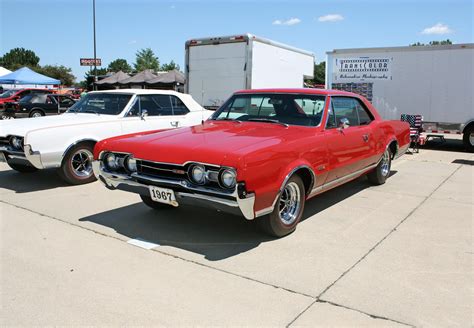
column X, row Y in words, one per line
column 228, row 178
column 198, row 174
column 131, row 164
column 111, row 161
column 17, row 142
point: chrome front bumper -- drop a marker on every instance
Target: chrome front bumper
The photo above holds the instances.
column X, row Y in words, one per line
column 28, row 156
column 232, row 203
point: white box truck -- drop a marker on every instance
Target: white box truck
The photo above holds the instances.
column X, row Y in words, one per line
column 216, row 67
column 434, row 81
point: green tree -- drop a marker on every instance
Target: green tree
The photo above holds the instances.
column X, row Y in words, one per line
column 170, row 66
column 319, row 73
column 88, row 83
column 19, row 57
column 119, row 65
column 432, row 43
column 146, row 59
column 62, row 73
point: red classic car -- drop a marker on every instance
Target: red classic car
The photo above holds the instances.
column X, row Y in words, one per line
column 261, row 155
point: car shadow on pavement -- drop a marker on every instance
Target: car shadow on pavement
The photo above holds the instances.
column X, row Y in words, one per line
column 30, row 182
column 446, row 145
column 214, row 235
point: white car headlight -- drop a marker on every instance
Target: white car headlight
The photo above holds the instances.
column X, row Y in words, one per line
column 111, row 161
column 198, row 174
column 228, row 178
column 131, row 164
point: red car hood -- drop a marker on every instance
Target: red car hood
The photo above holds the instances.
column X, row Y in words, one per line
column 208, row 143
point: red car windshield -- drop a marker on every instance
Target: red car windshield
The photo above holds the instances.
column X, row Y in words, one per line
column 291, row 109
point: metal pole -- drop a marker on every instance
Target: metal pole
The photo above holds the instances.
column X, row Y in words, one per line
column 95, row 54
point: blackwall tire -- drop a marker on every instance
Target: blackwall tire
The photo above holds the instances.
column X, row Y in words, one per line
column 155, row 205
column 468, row 139
column 288, row 210
column 22, row 168
column 76, row 167
column 380, row 174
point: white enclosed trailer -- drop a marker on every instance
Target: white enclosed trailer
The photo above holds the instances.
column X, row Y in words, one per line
column 216, row 67
column 434, row 81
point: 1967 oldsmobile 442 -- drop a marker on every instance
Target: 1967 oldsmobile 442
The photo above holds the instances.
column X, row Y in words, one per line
column 261, row 155
column 67, row 141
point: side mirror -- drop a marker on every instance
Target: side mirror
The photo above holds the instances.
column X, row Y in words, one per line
column 344, row 123
column 143, row 114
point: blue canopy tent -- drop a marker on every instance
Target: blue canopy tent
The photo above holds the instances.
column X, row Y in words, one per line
column 27, row 76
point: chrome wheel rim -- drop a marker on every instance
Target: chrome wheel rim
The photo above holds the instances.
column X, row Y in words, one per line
column 36, row 115
column 81, row 163
column 471, row 139
column 385, row 167
column 290, row 203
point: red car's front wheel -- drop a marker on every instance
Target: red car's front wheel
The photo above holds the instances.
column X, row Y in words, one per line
column 288, row 209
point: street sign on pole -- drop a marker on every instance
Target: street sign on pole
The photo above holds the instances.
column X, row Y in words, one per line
column 91, row 62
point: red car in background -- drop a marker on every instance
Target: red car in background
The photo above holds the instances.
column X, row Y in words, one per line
column 261, row 155
column 14, row 95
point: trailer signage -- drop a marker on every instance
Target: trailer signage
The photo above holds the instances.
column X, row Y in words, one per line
column 363, row 69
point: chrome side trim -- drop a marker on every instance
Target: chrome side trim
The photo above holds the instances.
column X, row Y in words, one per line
column 34, row 157
column 388, row 145
column 402, row 150
column 343, row 179
column 264, row 211
column 269, row 209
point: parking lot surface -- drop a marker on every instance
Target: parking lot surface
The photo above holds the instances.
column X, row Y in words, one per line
column 393, row 255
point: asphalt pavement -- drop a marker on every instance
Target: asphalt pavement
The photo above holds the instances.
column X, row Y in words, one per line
column 400, row 254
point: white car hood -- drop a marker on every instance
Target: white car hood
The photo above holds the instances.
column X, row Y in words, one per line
column 20, row 127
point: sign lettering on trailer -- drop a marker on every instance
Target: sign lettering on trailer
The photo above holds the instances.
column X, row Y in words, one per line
column 363, row 68
column 90, row 62
column 435, row 82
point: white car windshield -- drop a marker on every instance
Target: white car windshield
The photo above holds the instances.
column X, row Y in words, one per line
column 101, row 103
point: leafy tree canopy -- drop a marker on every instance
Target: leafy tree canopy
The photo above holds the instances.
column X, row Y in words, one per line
column 146, row 59
column 432, row 43
column 119, row 65
column 62, row 73
column 319, row 74
column 170, row 66
column 19, row 57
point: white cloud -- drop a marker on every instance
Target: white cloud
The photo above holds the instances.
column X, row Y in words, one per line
column 331, row 18
column 437, row 29
column 288, row 22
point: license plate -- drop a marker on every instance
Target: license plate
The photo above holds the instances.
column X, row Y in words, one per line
column 163, row 195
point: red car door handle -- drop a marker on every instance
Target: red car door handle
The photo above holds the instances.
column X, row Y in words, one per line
column 365, row 137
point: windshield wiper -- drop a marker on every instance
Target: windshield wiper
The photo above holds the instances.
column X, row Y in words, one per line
column 268, row 120
column 227, row 119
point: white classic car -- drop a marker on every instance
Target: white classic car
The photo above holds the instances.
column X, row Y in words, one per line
column 67, row 141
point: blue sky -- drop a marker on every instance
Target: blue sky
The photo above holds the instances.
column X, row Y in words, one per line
column 60, row 31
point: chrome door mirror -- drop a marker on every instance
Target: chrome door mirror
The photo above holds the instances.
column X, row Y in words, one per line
column 344, row 123
column 143, row 114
